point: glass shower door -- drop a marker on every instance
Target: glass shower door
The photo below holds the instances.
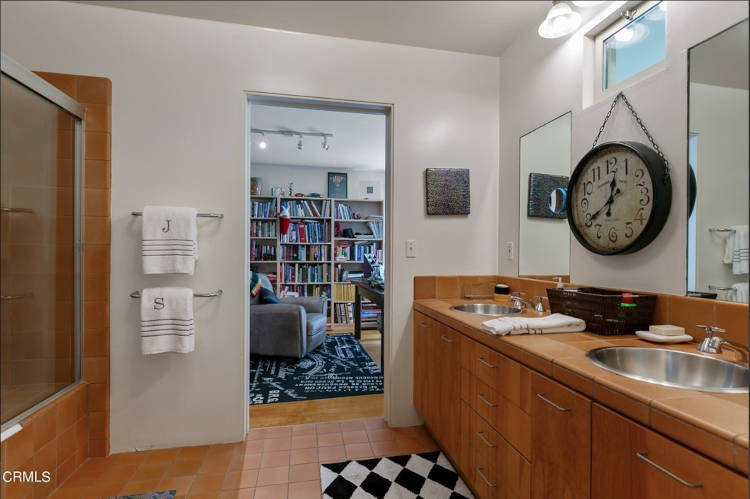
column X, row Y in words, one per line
column 39, row 262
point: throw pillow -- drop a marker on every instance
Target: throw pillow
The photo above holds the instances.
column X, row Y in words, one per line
column 267, row 296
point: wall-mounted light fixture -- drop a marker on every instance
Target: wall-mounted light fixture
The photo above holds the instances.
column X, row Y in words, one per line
column 561, row 20
column 291, row 133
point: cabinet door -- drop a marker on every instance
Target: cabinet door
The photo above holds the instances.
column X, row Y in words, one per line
column 421, row 352
column 448, row 370
column 629, row 460
column 560, row 441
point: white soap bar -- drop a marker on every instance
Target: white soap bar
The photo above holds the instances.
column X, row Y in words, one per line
column 667, row 330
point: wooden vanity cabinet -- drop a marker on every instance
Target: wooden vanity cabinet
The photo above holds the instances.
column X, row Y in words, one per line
column 560, row 441
column 629, row 460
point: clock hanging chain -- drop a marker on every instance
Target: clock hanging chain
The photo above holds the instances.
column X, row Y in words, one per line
column 638, row 120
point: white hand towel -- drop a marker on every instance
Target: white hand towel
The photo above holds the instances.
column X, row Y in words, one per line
column 739, row 292
column 167, row 320
column 555, row 323
column 740, row 245
column 170, row 240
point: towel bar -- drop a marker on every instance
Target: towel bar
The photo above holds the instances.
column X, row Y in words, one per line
column 714, row 229
column 718, row 288
column 218, row 292
column 199, row 215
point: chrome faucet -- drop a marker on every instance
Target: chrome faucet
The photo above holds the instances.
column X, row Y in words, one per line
column 714, row 344
column 517, row 301
column 539, row 307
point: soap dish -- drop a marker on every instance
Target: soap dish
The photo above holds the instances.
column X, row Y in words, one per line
column 660, row 338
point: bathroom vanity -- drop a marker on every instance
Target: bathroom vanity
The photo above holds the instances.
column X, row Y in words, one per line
column 530, row 416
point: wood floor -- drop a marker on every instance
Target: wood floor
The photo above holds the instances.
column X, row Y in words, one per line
column 316, row 411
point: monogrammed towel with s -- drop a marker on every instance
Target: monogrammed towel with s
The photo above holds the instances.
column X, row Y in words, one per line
column 167, row 320
column 170, row 240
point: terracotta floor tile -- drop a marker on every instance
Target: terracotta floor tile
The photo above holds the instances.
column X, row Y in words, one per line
column 117, row 474
column 333, row 454
column 184, row 467
column 355, row 437
column 278, row 491
column 352, row 425
column 413, row 446
column 240, row 479
column 72, row 493
column 375, row 424
column 105, row 490
column 274, row 444
column 328, row 439
column 301, row 456
column 303, row 429
column 254, row 446
column 304, row 441
column 256, row 434
column 304, row 472
column 140, row 486
column 275, row 459
column 196, row 452
column 322, row 428
column 381, row 435
column 238, row 494
column 151, row 470
column 305, row 490
column 86, row 477
column 180, row 484
column 385, row 448
column 162, row 455
column 123, row 459
column 207, row 483
column 245, row 462
column 204, row 495
column 215, row 464
column 223, row 449
column 273, row 476
column 279, row 432
column 358, row 451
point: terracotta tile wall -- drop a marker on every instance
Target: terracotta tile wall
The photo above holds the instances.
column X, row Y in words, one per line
column 54, row 439
column 95, row 94
column 670, row 309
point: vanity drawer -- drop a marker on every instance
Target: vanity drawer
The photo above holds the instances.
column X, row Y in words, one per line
column 507, row 377
column 629, row 460
column 507, row 418
column 496, row 469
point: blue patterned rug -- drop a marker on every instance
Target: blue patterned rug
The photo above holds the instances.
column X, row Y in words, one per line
column 339, row 367
column 167, row 494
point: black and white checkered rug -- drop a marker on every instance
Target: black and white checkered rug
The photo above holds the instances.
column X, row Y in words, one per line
column 428, row 475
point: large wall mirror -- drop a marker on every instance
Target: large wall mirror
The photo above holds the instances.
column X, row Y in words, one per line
column 718, row 161
column 543, row 233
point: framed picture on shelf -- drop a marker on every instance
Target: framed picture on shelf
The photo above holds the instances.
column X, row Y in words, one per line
column 338, row 185
column 369, row 190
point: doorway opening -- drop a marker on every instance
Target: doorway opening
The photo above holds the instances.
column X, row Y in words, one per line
column 317, row 252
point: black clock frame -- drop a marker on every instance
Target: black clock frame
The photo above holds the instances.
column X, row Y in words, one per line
column 662, row 196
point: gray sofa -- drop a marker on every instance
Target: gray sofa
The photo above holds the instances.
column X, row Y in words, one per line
column 291, row 328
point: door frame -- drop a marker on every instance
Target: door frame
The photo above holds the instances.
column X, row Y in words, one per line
column 289, row 100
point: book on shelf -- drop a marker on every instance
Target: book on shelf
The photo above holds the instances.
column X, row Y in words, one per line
column 262, row 251
column 305, row 253
column 263, row 209
column 305, row 273
column 343, row 292
column 307, row 231
column 355, row 251
column 344, row 313
column 260, row 228
column 309, row 208
column 306, row 290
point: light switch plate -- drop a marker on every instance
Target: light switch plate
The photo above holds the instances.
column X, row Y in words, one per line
column 509, row 250
column 411, row 248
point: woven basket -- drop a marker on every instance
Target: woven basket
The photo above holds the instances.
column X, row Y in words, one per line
column 601, row 309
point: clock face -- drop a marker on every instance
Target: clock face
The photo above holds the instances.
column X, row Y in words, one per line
column 612, row 199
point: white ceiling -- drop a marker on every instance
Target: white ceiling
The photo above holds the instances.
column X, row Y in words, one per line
column 358, row 142
column 470, row 26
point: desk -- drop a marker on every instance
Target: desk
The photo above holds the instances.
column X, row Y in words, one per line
column 376, row 295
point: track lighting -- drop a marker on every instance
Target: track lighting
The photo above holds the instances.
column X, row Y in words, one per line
column 299, row 143
column 325, row 145
column 286, row 132
column 561, row 20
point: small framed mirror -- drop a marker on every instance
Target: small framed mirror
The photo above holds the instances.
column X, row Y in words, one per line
column 717, row 176
column 544, row 170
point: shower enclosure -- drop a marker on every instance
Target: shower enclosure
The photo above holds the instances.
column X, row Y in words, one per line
column 41, row 150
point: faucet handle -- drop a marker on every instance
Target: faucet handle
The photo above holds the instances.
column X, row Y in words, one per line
column 539, row 307
column 518, row 294
column 711, row 330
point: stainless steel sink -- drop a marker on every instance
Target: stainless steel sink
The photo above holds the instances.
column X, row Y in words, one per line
column 673, row 368
column 486, row 309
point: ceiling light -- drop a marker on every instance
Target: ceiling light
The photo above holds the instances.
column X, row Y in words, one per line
column 561, row 20
column 586, row 4
column 299, row 144
column 325, row 144
column 262, row 144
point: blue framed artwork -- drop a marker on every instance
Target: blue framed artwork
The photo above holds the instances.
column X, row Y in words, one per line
column 338, row 185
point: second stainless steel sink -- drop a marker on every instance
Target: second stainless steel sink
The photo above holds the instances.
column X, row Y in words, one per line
column 673, row 368
column 487, row 309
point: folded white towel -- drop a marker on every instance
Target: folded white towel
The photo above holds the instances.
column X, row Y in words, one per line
column 170, row 240
column 740, row 240
column 167, row 320
column 555, row 323
column 739, row 292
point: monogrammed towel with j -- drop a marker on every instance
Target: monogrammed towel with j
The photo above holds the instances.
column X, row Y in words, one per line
column 170, row 240
column 167, row 320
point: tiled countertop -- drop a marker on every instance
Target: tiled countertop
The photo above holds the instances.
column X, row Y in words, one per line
column 714, row 424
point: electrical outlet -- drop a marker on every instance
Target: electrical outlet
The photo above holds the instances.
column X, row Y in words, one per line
column 411, row 248
column 509, row 250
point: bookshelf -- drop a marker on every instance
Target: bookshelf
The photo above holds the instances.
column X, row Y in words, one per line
column 318, row 262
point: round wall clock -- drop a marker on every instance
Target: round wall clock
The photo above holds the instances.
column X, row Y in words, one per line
column 619, row 197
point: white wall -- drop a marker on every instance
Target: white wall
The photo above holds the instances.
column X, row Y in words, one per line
column 541, row 79
column 719, row 116
column 314, row 179
column 178, row 138
column 543, row 243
